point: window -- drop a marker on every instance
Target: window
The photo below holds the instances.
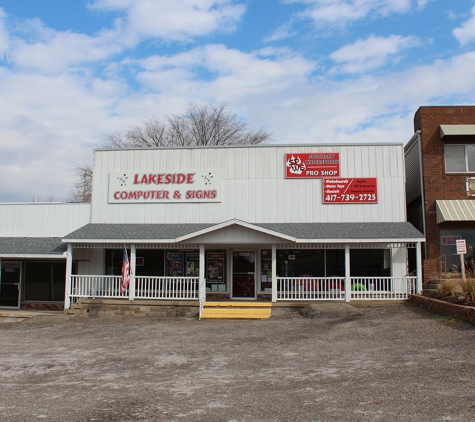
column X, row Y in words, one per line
column 459, row 158
column 370, row 263
column 313, row 263
column 150, row 262
column 45, row 281
column 448, row 248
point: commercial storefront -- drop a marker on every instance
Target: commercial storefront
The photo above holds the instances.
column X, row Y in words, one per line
column 32, row 254
column 271, row 222
column 440, row 165
column 255, row 223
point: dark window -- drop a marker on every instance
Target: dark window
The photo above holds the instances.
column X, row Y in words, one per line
column 151, row 262
column 370, row 263
column 313, row 263
column 449, row 249
column 45, row 281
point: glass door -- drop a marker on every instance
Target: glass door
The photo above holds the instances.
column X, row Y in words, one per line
column 10, row 285
column 244, row 274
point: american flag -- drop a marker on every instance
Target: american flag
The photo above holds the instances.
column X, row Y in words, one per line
column 125, row 271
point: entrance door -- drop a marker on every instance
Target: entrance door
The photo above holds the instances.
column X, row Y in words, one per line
column 10, row 285
column 244, row 271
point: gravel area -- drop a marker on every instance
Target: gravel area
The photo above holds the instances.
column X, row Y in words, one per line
column 384, row 363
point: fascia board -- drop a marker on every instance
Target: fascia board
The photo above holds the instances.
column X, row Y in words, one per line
column 31, row 256
column 235, row 222
column 354, row 241
column 118, row 240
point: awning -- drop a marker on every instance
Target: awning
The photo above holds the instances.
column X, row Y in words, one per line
column 462, row 210
column 446, row 130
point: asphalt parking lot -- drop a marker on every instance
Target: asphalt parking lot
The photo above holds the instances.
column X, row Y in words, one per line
column 390, row 363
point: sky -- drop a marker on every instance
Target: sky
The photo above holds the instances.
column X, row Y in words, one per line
column 309, row 71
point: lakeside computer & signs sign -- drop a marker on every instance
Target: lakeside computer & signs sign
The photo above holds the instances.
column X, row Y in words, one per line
column 202, row 186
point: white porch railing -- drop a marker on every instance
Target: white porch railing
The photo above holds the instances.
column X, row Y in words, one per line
column 388, row 288
column 333, row 288
column 106, row 286
column 97, row 286
column 166, row 287
column 310, row 288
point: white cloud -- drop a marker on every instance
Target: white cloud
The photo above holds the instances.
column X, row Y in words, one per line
column 282, row 32
column 175, row 20
column 341, row 12
column 466, row 32
column 52, row 51
column 370, row 53
column 4, row 37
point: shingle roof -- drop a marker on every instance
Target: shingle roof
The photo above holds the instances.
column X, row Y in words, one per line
column 308, row 231
column 135, row 231
column 31, row 246
column 344, row 231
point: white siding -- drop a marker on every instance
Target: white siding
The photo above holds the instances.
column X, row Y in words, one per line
column 236, row 235
column 254, row 185
column 42, row 219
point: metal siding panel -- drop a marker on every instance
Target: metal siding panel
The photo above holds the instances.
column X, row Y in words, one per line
column 265, row 195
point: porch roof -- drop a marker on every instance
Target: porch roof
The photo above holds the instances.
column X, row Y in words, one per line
column 298, row 232
column 31, row 247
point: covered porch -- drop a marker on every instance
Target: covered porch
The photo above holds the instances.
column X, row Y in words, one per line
column 236, row 260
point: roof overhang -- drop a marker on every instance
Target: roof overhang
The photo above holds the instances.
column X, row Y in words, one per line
column 456, row 130
column 31, row 256
column 455, row 210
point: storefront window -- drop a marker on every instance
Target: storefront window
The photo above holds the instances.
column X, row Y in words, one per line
column 448, row 248
column 266, row 269
column 149, row 262
column 44, row 281
column 370, row 263
column 216, row 271
column 311, row 263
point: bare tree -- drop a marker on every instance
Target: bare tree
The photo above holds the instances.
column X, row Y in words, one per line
column 83, row 189
column 199, row 125
column 38, row 198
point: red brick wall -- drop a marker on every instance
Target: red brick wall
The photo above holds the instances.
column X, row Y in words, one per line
column 437, row 184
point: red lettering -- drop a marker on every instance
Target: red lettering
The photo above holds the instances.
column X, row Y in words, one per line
column 136, row 179
column 116, row 195
column 189, row 178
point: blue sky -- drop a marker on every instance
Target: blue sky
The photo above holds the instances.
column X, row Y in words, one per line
column 310, row 71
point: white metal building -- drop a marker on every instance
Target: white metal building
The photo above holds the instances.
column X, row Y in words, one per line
column 267, row 222
column 32, row 255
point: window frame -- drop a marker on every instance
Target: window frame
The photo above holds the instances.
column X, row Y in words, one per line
column 467, row 164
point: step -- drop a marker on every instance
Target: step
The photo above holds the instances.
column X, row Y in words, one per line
column 236, row 310
column 239, row 304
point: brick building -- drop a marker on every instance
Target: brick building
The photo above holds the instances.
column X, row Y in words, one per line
column 440, row 170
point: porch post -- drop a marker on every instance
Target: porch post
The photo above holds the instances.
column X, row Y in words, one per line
column 274, row 273
column 202, row 281
column 69, row 265
column 133, row 261
column 347, row 274
column 419, row 267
